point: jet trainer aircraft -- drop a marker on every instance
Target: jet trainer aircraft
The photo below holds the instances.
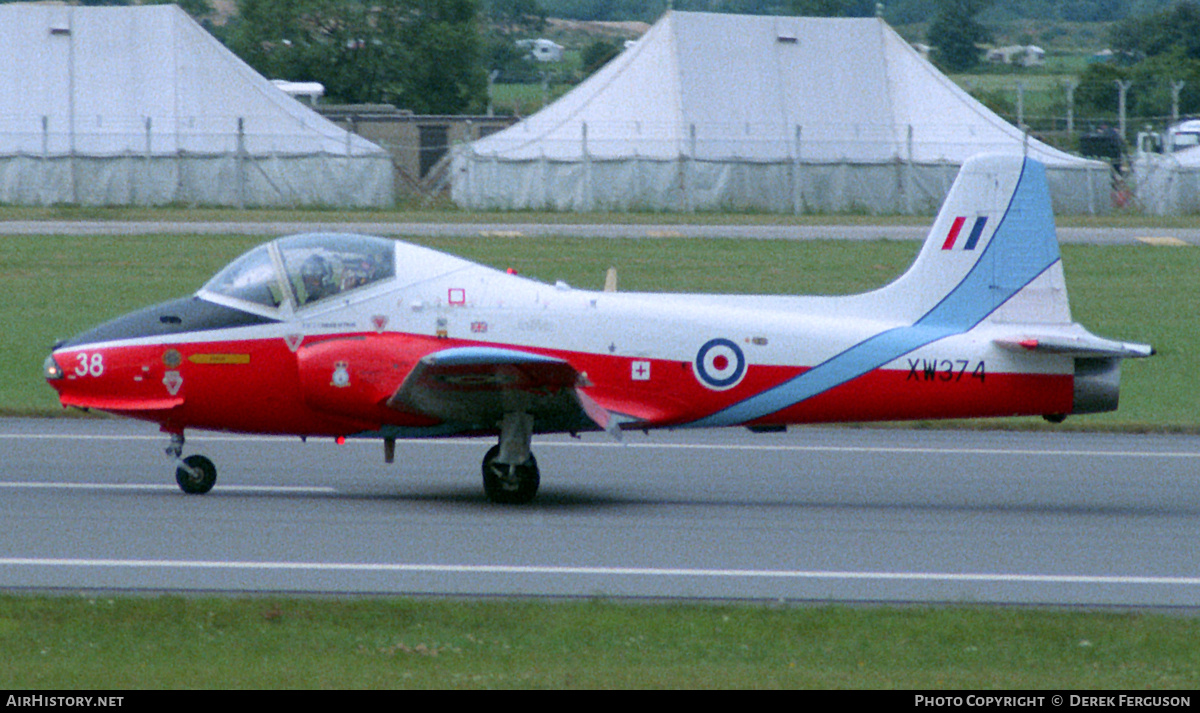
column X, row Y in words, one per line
column 349, row 336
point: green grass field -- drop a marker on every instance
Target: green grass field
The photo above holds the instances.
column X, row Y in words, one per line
column 101, row 642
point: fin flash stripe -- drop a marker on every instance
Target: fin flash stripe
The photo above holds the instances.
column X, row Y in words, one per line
column 972, row 239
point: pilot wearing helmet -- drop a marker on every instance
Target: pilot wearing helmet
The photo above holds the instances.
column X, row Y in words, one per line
column 317, row 276
column 361, row 271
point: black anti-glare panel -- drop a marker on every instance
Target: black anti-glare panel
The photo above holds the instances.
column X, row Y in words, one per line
column 188, row 314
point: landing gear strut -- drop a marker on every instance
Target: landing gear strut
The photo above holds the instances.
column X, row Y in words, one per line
column 195, row 474
column 510, row 472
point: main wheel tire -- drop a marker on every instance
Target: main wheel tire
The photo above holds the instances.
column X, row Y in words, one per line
column 200, row 479
column 507, row 485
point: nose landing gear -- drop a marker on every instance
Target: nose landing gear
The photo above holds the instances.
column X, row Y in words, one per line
column 195, row 474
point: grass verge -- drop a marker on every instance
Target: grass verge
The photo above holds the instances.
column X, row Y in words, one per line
column 99, row 642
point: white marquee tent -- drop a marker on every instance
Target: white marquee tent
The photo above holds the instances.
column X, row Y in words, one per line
column 785, row 114
column 1168, row 183
column 140, row 105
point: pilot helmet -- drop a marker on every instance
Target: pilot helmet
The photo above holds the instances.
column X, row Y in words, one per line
column 317, row 275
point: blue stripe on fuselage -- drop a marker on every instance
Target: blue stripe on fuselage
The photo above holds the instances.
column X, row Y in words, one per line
column 1009, row 262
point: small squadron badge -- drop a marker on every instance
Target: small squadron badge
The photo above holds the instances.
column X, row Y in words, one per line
column 341, row 375
column 173, row 381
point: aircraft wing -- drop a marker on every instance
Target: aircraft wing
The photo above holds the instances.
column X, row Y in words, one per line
column 1083, row 346
column 478, row 385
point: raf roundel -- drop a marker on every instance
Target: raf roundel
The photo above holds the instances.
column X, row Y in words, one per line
column 720, row 364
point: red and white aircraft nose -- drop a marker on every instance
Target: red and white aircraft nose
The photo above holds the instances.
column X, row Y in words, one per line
column 114, row 378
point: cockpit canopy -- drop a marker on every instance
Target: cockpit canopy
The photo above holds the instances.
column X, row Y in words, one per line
column 303, row 269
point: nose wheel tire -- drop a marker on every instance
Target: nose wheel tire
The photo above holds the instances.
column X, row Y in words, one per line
column 510, row 484
column 196, row 475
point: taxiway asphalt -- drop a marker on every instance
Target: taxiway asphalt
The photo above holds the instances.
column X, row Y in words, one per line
column 812, row 515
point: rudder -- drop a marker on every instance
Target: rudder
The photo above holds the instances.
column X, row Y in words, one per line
column 994, row 239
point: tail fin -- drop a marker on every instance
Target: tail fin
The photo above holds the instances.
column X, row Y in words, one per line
column 1011, row 274
column 993, row 241
column 992, row 256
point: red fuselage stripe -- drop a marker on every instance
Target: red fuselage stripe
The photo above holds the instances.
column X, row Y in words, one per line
column 271, row 389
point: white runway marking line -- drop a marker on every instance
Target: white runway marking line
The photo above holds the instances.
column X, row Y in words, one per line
column 318, row 567
column 897, row 449
column 662, row 446
column 274, row 489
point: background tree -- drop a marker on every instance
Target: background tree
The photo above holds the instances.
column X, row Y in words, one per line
column 505, row 22
column 956, row 35
column 445, row 73
column 1175, row 29
column 199, row 9
column 832, row 8
column 522, row 17
column 422, row 55
column 597, row 54
column 1155, row 50
column 1096, row 94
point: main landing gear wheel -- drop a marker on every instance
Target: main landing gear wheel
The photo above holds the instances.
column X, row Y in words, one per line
column 510, row 484
column 196, row 475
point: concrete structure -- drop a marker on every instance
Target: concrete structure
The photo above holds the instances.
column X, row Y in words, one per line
column 418, row 144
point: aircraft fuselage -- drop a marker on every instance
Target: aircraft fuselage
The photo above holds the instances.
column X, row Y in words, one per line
column 664, row 360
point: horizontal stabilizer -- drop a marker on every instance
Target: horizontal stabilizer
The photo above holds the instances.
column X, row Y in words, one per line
column 1085, row 346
